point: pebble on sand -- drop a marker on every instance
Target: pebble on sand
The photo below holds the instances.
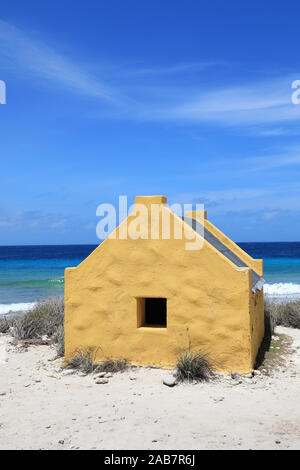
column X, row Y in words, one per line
column 102, row 381
column 169, row 380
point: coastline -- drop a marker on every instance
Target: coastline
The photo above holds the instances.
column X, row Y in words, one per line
column 276, row 292
column 32, row 273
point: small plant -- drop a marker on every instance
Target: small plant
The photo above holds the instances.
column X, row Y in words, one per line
column 193, row 366
column 280, row 313
column 4, row 325
column 83, row 360
column 289, row 315
column 112, row 365
column 270, row 317
column 44, row 319
column 59, row 339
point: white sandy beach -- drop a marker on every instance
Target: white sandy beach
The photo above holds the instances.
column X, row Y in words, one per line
column 43, row 407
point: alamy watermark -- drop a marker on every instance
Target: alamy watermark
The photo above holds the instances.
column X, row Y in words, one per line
column 152, row 221
column 2, row 92
column 296, row 95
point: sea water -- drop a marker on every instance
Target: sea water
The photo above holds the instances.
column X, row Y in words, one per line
column 32, row 273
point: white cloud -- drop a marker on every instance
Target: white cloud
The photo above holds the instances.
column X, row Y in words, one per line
column 217, row 197
column 272, row 132
column 248, row 103
column 60, row 223
column 43, row 61
column 255, row 103
column 33, row 219
column 287, row 157
column 269, row 215
column 172, row 69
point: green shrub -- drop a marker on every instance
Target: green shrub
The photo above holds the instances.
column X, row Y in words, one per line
column 193, row 366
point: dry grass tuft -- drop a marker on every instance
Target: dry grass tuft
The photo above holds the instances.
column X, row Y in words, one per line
column 45, row 319
column 285, row 314
column 4, row 324
column 194, row 366
column 270, row 317
column 112, row 365
column 83, row 360
column 59, row 339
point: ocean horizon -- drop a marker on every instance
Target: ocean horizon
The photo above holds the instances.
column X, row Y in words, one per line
column 30, row 273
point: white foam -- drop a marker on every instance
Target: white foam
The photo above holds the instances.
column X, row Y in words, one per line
column 282, row 290
column 9, row 308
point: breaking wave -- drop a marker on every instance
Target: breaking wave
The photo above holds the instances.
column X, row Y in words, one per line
column 21, row 307
column 287, row 290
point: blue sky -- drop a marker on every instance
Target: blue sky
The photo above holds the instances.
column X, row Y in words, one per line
column 190, row 99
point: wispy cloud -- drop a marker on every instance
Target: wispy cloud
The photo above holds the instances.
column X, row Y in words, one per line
column 248, row 105
column 33, row 219
column 218, row 197
column 255, row 103
column 291, row 129
column 166, row 97
column 271, row 132
column 39, row 59
column 288, row 156
column 172, row 69
column 277, row 161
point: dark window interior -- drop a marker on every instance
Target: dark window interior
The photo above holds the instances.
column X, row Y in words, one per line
column 156, row 311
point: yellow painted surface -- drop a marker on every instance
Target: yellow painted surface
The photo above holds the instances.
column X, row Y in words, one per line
column 210, row 305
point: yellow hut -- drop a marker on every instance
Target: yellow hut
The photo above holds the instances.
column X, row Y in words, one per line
column 159, row 285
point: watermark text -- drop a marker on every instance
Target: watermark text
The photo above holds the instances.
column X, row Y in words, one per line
column 152, row 221
column 296, row 94
column 2, row 92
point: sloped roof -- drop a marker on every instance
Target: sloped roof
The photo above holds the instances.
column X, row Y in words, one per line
column 257, row 281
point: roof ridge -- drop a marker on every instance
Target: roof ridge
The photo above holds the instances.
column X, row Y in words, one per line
column 257, row 280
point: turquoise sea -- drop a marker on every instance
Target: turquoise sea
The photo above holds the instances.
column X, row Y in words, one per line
column 30, row 273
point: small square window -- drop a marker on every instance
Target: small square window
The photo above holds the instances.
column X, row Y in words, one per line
column 152, row 312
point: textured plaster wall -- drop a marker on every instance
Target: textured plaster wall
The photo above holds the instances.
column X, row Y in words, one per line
column 257, row 325
column 208, row 303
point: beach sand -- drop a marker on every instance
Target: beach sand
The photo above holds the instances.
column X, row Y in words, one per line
column 43, row 407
